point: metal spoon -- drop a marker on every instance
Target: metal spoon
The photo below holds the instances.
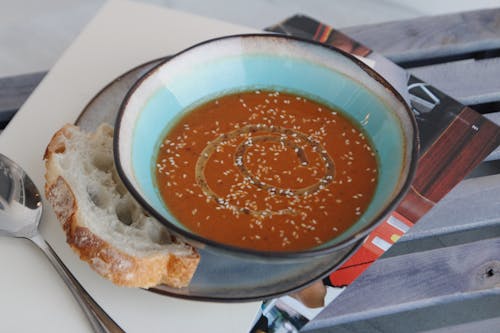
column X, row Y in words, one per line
column 20, row 213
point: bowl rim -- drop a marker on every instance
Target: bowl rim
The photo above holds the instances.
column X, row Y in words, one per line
column 202, row 242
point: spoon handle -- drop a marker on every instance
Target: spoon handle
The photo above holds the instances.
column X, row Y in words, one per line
column 98, row 318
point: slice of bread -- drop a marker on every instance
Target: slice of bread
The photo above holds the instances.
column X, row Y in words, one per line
column 102, row 221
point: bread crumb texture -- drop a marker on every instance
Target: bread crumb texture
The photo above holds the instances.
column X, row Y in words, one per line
column 103, row 222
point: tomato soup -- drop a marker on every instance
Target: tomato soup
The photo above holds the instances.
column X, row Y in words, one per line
column 266, row 170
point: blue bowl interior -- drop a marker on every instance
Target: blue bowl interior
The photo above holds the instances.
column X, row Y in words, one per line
column 172, row 93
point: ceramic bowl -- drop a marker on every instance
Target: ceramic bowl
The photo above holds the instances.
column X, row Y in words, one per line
column 259, row 61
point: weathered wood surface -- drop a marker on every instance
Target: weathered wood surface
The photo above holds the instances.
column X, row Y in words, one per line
column 419, row 291
column 469, row 81
column 473, row 33
column 470, row 212
column 457, row 53
column 495, row 155
column 14, row 91
column 472, row 312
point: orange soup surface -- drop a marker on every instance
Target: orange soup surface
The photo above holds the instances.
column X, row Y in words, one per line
column 266, row 170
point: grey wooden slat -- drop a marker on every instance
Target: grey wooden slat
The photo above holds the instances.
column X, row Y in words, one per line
column 15, row 90
column 494, row 155
column 494, row 117
column 472, row 312
column 470, row 212
column 450, row 279
column 487, row 325
column 430, row 37
column 469, row 81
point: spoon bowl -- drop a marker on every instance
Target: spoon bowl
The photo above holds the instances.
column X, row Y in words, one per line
column 20, row 213
column 20, row 202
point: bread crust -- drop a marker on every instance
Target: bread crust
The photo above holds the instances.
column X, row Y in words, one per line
column 115, row 264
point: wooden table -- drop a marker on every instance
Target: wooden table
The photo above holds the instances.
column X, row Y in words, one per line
column 427, row 281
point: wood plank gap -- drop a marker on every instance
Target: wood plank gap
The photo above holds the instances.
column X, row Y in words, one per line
column 434, row 60
column 432, row 36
